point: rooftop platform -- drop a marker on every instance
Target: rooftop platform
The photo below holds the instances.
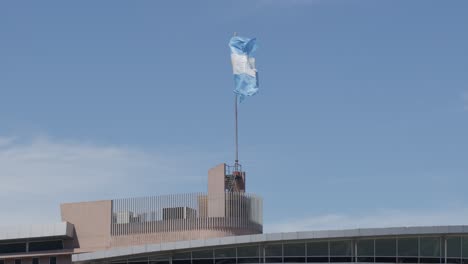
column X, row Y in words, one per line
column 272, row 238
column 63, row 230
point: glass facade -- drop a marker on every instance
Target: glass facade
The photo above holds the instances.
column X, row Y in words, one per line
column 411, row 249
column 24, row 247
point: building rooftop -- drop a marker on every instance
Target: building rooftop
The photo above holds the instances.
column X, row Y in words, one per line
column 44, row 231
column 271, row 237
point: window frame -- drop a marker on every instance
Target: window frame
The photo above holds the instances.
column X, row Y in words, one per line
column 50, row 260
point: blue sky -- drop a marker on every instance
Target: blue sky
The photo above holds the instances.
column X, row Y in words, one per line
column 362, row 117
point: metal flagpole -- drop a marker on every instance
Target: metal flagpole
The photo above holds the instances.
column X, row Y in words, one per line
column 237, row 133
column 236, row 164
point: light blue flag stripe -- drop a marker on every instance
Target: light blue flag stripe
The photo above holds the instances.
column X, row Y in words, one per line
column 243, row 64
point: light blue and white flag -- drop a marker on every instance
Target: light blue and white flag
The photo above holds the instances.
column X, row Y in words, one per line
column 243, row 66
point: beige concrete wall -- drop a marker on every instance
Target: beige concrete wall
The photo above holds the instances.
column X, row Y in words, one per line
column 92, row 221
column 216, row 177
column 216, row 187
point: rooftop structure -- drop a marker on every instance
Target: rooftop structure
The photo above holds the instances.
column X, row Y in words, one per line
column 223, row 225
column 435, row 244
column 37, row 244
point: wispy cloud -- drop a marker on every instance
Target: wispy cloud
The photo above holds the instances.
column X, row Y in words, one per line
column 36, row 176
column 5, row 141
column 384, row 218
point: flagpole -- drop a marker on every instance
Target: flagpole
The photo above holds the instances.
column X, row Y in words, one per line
column 237, row 132
column 236, row 164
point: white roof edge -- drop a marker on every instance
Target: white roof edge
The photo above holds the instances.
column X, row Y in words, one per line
column 270, row 237
column 63, row 229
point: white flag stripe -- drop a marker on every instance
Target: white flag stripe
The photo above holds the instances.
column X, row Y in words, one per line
column 242, row 64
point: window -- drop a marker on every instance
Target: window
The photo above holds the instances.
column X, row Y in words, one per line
column 249, row 254
column 294, row 252
column 274, row 253
column 429, row 250
column 52, row 260
column 202, row 257
column 385, row 250
column 408, row 250
column 138, row 261
column 225, row 255
column 35, row 261
column 159, row 260
column 317, row 251
column 17, row 261
column 45, row 245
column 12, row 248
column 453, row 249
column 2, row 261
column 465, row 249
column 181, row 258
column 365, row 250
column 341, row 251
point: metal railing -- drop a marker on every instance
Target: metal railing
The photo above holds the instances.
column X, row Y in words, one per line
column 187, row 212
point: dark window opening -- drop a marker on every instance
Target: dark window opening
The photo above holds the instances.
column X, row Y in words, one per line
column 385, row 259
column 408, row 247
column 294, row 250
column 35, row 261
column 181, row 261
column 225, row 253
column 341, row 248
column 385, row 248
column 454, row 247
column 453, row 260
column 248, row 252
column 274, row 250
column 317, row 259
column 226, row 261
column 160, row 261
column 429, row 247
column 12, row 248
column 317, row 249
column 52, row 260
column 431, row 260
column 45, row 245
column 365, row 259
column 248, row 260
column 365, row 248
column 273, row 260
column 202, row 254
column 341, row 259
column 408, row 260
column 202, row 261
column 17, row 261
column 294, row 259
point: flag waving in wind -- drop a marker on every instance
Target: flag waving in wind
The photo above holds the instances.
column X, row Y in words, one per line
column 243, row 66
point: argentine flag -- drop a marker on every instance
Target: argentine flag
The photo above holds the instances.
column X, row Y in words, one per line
column 243, row 66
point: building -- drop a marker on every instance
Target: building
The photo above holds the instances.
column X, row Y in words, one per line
column 37, row 244
column 223, row 225
column 439, row 244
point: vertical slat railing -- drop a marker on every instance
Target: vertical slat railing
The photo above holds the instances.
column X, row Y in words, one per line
column 186, row 212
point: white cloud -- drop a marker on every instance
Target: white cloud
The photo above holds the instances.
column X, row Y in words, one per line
column 384, row 218
column 36, row 176
column 5, row 141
